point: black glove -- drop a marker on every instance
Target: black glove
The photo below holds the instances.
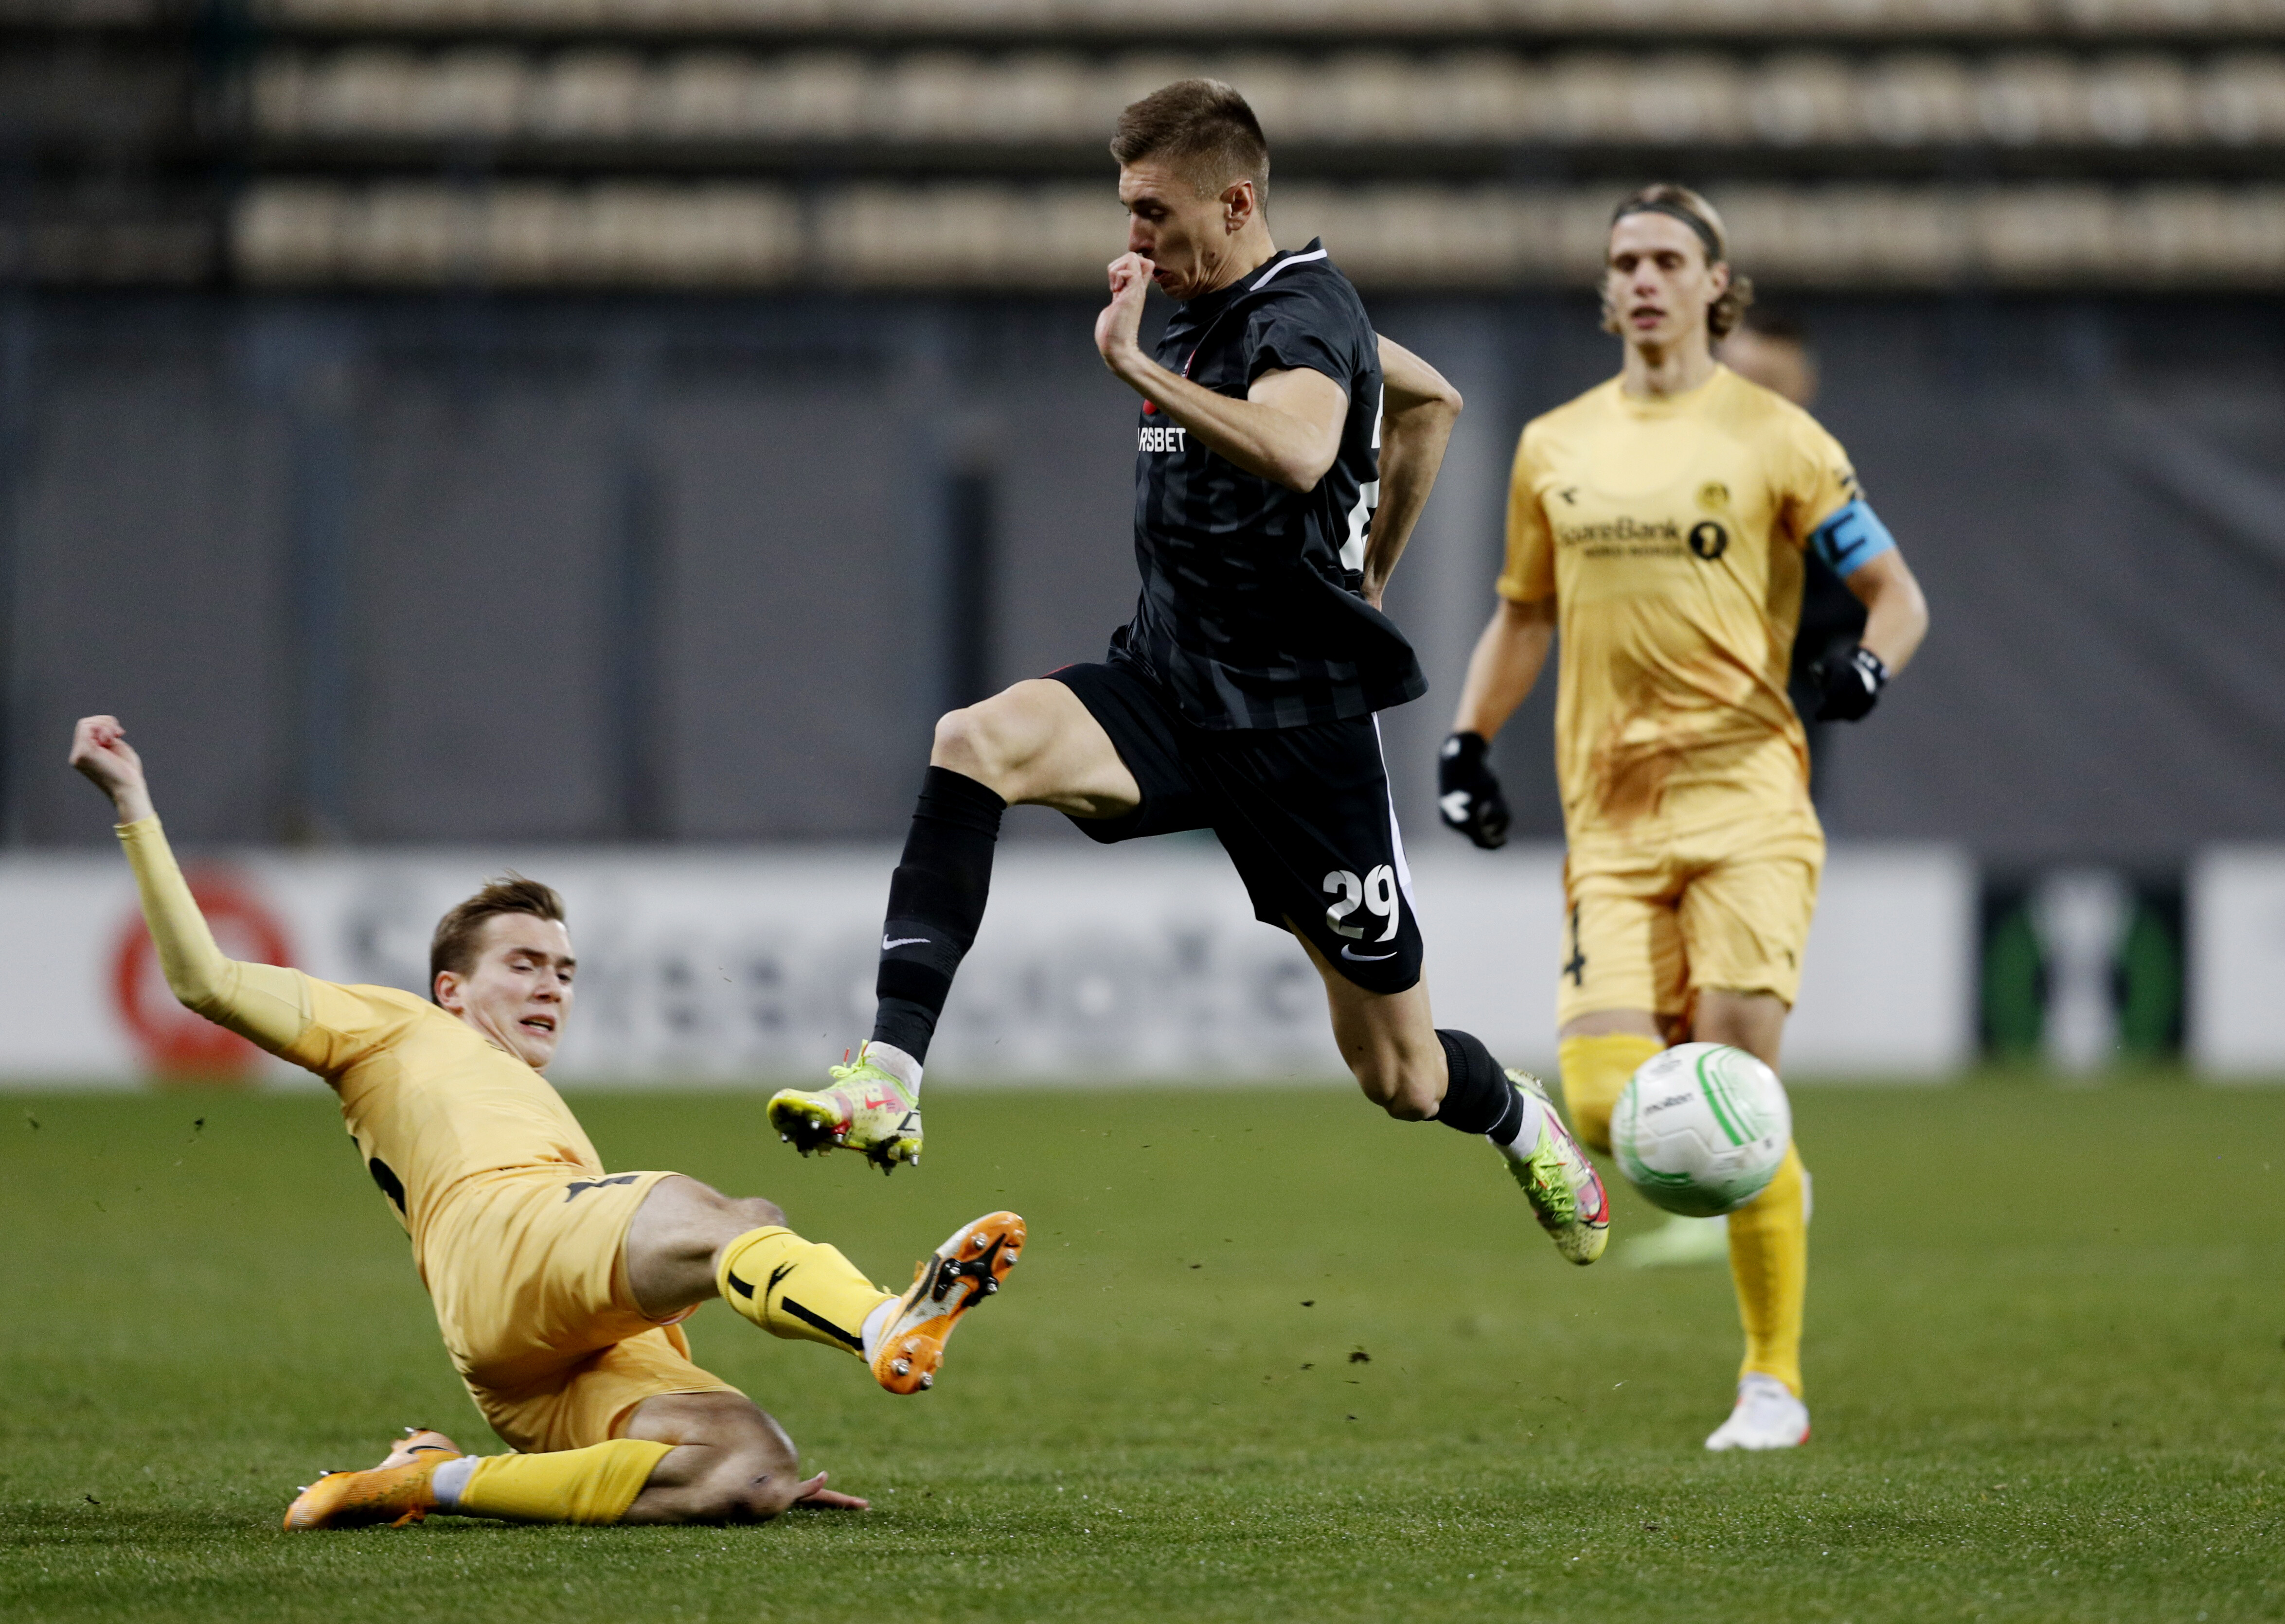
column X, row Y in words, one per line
column 1851, row 681
column 1467, row 794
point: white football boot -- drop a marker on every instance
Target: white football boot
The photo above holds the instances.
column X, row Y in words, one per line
column 1768, row 1417
column 1679, row 1243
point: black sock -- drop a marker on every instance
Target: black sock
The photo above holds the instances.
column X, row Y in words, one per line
column 1478, row 1097
column 936, row 902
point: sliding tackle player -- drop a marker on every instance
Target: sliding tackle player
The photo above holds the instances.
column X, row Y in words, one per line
column 560, row 1288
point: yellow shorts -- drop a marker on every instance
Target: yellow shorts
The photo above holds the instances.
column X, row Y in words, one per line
column 1653, row 926
column 527, row 1274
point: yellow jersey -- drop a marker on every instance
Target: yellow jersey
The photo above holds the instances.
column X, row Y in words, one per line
column 1670, row 532
column 432, row 1105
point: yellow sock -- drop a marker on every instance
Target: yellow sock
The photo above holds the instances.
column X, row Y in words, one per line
column 790, row 1287
column 594, row 1485
column 1595, row 1073
column 1769, row 1259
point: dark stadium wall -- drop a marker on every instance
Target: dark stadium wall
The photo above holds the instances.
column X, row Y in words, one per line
column 431, row 569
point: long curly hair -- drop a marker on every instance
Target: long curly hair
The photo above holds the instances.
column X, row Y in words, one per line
column 1724, row 315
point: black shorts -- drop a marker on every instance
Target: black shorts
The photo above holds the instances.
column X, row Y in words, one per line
column 1304, row 813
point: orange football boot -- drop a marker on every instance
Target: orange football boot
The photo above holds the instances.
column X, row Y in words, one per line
column 418, row 1441
column 965, row 1270
column 395, row 1492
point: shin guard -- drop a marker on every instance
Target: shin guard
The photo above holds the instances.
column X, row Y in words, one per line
column 797, row 1289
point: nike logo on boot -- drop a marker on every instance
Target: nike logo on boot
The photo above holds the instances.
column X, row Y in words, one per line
column 903, row 941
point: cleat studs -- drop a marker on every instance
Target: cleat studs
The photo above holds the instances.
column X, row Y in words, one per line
column 902, row 1367
column 928, row 1381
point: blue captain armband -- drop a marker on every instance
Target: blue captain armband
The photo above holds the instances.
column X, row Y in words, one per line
column 1852, row 539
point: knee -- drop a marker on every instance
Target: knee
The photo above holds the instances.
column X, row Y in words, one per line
column 970, row 742
column 753, row 1484
column 734, row 1218
column 767, row 1485
column 755, row 1212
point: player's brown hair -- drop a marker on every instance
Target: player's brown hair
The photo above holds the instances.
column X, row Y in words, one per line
column 455, row 946
column 1204, row 128
column 1665, row 198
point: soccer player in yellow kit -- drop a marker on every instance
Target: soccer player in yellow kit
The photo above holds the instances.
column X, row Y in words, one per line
column 560, row 1288
column 1659, row 522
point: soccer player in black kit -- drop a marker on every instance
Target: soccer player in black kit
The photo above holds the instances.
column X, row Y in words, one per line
column 1284, row 452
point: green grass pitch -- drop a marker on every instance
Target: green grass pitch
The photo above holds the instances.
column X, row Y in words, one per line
column 1267, row 1356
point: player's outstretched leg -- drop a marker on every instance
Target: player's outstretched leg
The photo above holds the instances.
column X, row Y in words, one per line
column 594, row 1485
column 686, row 1457
column 789, row 1286
column 936, row 906
column 800, row 1290
column 1412, row 1068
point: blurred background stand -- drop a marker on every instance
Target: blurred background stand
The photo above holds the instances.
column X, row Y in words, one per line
column 632, row 421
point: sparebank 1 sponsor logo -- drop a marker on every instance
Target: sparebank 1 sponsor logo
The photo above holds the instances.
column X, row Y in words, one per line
column 1171, row 437
column 1631, row 537
column 1661, row 533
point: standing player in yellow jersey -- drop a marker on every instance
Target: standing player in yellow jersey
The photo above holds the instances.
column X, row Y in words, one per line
column 560, row 1288
column 1659, row 522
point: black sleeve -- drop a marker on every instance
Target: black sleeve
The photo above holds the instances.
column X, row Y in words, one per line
column 1296, row 326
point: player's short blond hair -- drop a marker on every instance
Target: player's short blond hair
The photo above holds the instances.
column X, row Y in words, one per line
column 1665, row 198
column 460, row 933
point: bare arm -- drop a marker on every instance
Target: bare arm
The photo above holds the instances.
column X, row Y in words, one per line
column 1896, row 609
column 1288, row 428
column 1417, row 410
column 1505, row 665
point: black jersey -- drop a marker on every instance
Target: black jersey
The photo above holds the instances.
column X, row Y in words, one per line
column 1251, row 614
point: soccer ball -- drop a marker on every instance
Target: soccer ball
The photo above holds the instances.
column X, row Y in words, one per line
column 1701, row 1128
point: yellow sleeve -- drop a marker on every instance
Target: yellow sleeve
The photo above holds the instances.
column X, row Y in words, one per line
column 1530, row 576
column 1816, row 479
column 296, row 1017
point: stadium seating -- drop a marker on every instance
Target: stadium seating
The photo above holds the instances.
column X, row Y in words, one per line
column 1447, row 142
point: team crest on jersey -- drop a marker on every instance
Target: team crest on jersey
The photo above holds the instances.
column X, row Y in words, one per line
column 1714, row 496
column 1708, row 540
